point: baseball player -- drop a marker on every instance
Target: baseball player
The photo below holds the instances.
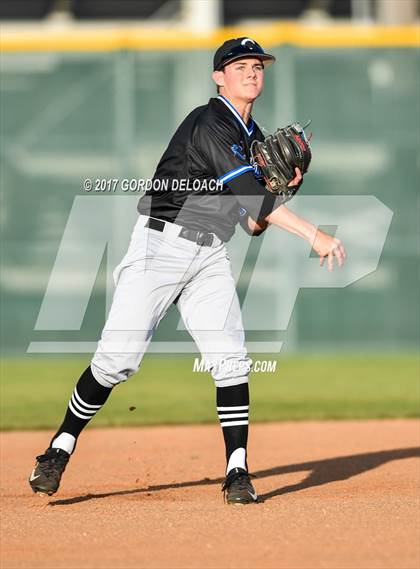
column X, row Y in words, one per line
column 204, row 185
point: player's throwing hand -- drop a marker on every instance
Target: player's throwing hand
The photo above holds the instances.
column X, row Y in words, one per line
column 329, row 247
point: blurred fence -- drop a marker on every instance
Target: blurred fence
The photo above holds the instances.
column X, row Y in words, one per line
column 70, row 115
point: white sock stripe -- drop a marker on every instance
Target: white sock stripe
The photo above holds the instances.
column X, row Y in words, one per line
column 89, row 412
column 234, row 416
column 73, row 410
column 81, row 402
column 234, row 408
column 233, row 423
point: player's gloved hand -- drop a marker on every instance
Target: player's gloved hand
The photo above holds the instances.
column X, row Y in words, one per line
column 329, row 247
column 279, row 157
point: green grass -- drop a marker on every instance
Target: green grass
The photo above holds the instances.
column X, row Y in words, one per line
column 34, row 390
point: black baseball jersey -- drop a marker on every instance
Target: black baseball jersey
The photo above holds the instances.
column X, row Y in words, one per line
column 204, row 180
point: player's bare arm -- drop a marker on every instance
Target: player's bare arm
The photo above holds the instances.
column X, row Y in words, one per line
column 326, row 246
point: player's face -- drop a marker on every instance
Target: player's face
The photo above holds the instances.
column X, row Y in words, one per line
column 242, row 79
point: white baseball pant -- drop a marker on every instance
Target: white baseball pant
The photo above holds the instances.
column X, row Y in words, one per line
column 159, row 268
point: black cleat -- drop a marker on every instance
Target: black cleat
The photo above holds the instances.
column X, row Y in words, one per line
column 45, row 477
column 238, row 489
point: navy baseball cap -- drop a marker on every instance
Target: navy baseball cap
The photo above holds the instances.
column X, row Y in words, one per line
column 238, row 48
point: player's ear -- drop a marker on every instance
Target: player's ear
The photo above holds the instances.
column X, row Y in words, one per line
column 219, row 78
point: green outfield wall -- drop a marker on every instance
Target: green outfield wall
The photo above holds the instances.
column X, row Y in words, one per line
column 70, row 115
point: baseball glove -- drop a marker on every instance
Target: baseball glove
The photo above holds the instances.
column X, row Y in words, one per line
column 278, row 156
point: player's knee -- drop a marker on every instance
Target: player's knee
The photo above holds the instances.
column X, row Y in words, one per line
column 231, row 370
column 111, row 373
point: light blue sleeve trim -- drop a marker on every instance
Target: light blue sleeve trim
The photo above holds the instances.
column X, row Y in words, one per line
column 234, row 173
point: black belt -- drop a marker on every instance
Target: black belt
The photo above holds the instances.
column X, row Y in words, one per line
column 199, row 237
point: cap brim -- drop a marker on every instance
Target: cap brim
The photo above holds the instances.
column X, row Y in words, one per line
column 266, row 58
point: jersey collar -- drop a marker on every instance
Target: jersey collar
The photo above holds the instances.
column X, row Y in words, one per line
column 249, row 130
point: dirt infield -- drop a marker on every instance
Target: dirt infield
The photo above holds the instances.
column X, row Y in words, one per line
column 335, row 495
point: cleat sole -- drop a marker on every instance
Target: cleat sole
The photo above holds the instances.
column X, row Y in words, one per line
column 42, row 492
